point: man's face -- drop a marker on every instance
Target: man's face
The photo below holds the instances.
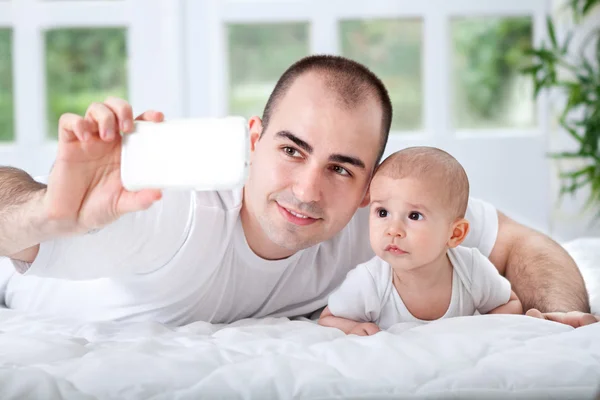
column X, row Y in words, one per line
column 311, row 167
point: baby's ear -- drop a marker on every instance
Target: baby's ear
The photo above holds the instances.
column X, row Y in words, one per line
column 460, row 229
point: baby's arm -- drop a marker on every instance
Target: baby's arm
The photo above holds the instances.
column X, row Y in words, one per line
column 491, row 289
column 513, row 306
column 348, row 326
column 354, row 304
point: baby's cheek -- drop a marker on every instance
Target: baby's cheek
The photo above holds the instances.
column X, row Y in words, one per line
column 427, row 240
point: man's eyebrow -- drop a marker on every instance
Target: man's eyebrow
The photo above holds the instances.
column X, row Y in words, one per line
column 340, row 158
column 299, row 142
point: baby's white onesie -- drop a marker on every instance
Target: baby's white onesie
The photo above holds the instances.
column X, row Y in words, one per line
column 368, row 294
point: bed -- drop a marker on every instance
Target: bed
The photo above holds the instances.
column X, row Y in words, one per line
column 479, row 357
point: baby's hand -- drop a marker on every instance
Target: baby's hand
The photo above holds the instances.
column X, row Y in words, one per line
column 364, row 329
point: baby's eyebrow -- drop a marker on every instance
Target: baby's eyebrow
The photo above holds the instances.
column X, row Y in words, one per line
column 418, row 206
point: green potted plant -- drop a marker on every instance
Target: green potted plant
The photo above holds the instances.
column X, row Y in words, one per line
column 556, row 65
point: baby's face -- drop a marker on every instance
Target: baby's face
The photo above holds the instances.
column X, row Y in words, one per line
column 409, row 223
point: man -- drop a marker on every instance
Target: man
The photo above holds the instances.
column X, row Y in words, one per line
column 278, row 247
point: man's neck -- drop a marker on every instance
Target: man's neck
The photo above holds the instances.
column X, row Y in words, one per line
column 424, row 277
column 257, row 239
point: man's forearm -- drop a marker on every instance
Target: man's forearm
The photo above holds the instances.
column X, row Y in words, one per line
column 22, row 221
column 540, row 271
column 545, row 277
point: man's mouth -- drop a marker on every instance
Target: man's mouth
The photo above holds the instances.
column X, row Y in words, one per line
column 392, row 248
column 296, row 217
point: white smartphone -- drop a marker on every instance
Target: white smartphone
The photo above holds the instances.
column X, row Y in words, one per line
column 196, row 154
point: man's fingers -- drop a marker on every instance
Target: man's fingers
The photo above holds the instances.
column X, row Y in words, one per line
column 575, row 319
column 73, row 127
column 535, row 313
column 137, row 201
column 105, row 118
column 152, row 116
column 588, row 319
column 122, row 109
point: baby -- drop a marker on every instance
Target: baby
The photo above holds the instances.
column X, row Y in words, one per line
column 420, row 273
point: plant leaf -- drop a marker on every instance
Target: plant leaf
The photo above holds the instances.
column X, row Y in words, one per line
column 576, row 174
column 567, row 154
column 551, row 33
column 587, row 6
column 531, row 69
column 565, row 47
column 571, row 130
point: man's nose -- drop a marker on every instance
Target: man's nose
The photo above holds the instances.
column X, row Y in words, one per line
column 308, row 186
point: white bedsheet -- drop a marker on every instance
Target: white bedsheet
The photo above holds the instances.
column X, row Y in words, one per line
column 471, row 357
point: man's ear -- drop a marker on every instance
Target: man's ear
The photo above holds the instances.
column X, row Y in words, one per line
column 459, row 232
column 256, row 128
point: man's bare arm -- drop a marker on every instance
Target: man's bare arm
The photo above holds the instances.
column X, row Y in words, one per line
column 541, row 272
column 23, row 223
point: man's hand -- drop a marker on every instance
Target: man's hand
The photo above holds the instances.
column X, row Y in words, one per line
column 84, row 188
column 364, row 329
column 542, row 273
column 573, row 318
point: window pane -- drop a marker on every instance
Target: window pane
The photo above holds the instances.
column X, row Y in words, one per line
column 6, row 87
column 258, row 55
column 83, row 66
column 392, row 50
column 488, row 91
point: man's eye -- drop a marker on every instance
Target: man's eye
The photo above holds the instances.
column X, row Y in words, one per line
column 290, row 151
column 415, row 216
column 340, row 170
column 382, row 213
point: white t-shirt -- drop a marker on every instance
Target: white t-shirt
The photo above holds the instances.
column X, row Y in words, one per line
column 186, row 259
column 368, row 293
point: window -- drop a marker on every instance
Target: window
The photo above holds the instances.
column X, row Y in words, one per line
column 83, row 66
column 488, row 91
column 258, row 55
column 6, row 87
column 392, row 50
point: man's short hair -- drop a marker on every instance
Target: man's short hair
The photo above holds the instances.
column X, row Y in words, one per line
column 351, row 81
column 436, row 167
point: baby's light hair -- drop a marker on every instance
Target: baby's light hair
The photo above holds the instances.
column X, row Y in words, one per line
column 436, row 166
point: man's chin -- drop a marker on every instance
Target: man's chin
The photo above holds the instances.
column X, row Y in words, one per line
column 294, row 242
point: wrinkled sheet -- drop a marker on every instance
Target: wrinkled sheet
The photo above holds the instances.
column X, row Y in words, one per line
column 490, row 356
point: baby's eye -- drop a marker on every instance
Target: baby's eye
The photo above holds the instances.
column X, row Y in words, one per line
column 382, row 213
column 415, row 216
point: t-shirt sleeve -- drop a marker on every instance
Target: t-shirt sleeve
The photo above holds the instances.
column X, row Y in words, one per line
column 137, row 243
column 483, row 219
column 488, row 288
column 357, row 297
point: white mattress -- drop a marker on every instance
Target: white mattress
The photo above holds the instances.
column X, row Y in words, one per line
column 471, row 357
